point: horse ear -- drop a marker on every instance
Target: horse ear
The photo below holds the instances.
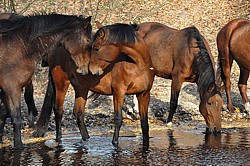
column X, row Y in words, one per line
column 87, row 22
column 98, row 24
column 101, row 33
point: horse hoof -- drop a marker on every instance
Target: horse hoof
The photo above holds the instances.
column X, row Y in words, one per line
column 169, row 124
column 145, row 149
column 85, row 138
column 39, row 133
column 115, row 143
column 247, row 107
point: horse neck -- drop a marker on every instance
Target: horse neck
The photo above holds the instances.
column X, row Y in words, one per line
column 139, row 54
column 46, row 44
column 42, row 41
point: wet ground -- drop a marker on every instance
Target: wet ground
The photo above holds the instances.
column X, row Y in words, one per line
column 184, row 144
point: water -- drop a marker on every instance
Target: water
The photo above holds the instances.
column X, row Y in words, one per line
column 180, row 146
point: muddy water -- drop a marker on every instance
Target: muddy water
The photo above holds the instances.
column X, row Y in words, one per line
column 182, row 145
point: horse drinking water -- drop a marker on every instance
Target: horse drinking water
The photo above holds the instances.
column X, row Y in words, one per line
column 184, row 56
column 23, row 43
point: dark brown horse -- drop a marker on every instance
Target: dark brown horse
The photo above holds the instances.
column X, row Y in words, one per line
column 23, row 43
column 28, row 93
column 233, row 44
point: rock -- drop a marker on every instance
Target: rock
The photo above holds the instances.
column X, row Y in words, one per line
column 51, row 143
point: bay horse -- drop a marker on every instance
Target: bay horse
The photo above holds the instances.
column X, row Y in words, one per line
column 119, row 51
column 28, row 93
column 23, row 43
column 233, row 44
column 184, row 56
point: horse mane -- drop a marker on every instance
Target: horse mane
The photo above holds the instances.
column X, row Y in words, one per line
column 203, row 66
column 38, row 24
column 119, row 34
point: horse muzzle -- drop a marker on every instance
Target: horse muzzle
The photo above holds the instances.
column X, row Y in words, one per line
column 96, row 71
column 83, row 71
column 213, row 129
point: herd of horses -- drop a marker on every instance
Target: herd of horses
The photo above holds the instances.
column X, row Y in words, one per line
column 119, row 59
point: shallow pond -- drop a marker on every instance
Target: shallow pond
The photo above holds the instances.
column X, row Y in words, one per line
column 177, row 146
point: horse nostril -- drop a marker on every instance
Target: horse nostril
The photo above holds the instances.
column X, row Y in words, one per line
column 215, row 130
column 99, row 72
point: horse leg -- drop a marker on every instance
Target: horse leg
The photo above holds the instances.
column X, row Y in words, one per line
column 79, row 110
column 242, row 84
column 29, row 99
column 143, row 101
column 227, row 70
column 43, row 121
column 175, row 91
column 61, row 90
column 3, row 115
column 118, row 99
column 13, row 100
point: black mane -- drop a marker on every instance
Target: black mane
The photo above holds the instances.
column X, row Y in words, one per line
column 204, row 66
column 39, row 24
column 119, row 34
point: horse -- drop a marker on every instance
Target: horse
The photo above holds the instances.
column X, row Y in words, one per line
column 184, row 56
column 118, row 50
column 232, row 43
column 23, row 43
column 28, row 93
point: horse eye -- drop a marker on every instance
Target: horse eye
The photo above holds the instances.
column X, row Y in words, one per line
column 209, row 103
column 96, row 48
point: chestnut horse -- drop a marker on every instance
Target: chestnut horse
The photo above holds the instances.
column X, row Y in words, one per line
column 24, row 42
column 233, row 44
column 28, row 93
column 119, row 49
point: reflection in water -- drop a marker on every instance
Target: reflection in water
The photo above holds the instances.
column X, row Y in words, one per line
column 212, row 140
column 187, row 147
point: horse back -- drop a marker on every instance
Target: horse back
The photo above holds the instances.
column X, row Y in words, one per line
column 232, row 42
column 172, row 51
column 225, row 34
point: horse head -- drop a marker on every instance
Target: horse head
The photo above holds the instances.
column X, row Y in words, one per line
column 111, row 43
column 210, row 108
column 78, row 43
